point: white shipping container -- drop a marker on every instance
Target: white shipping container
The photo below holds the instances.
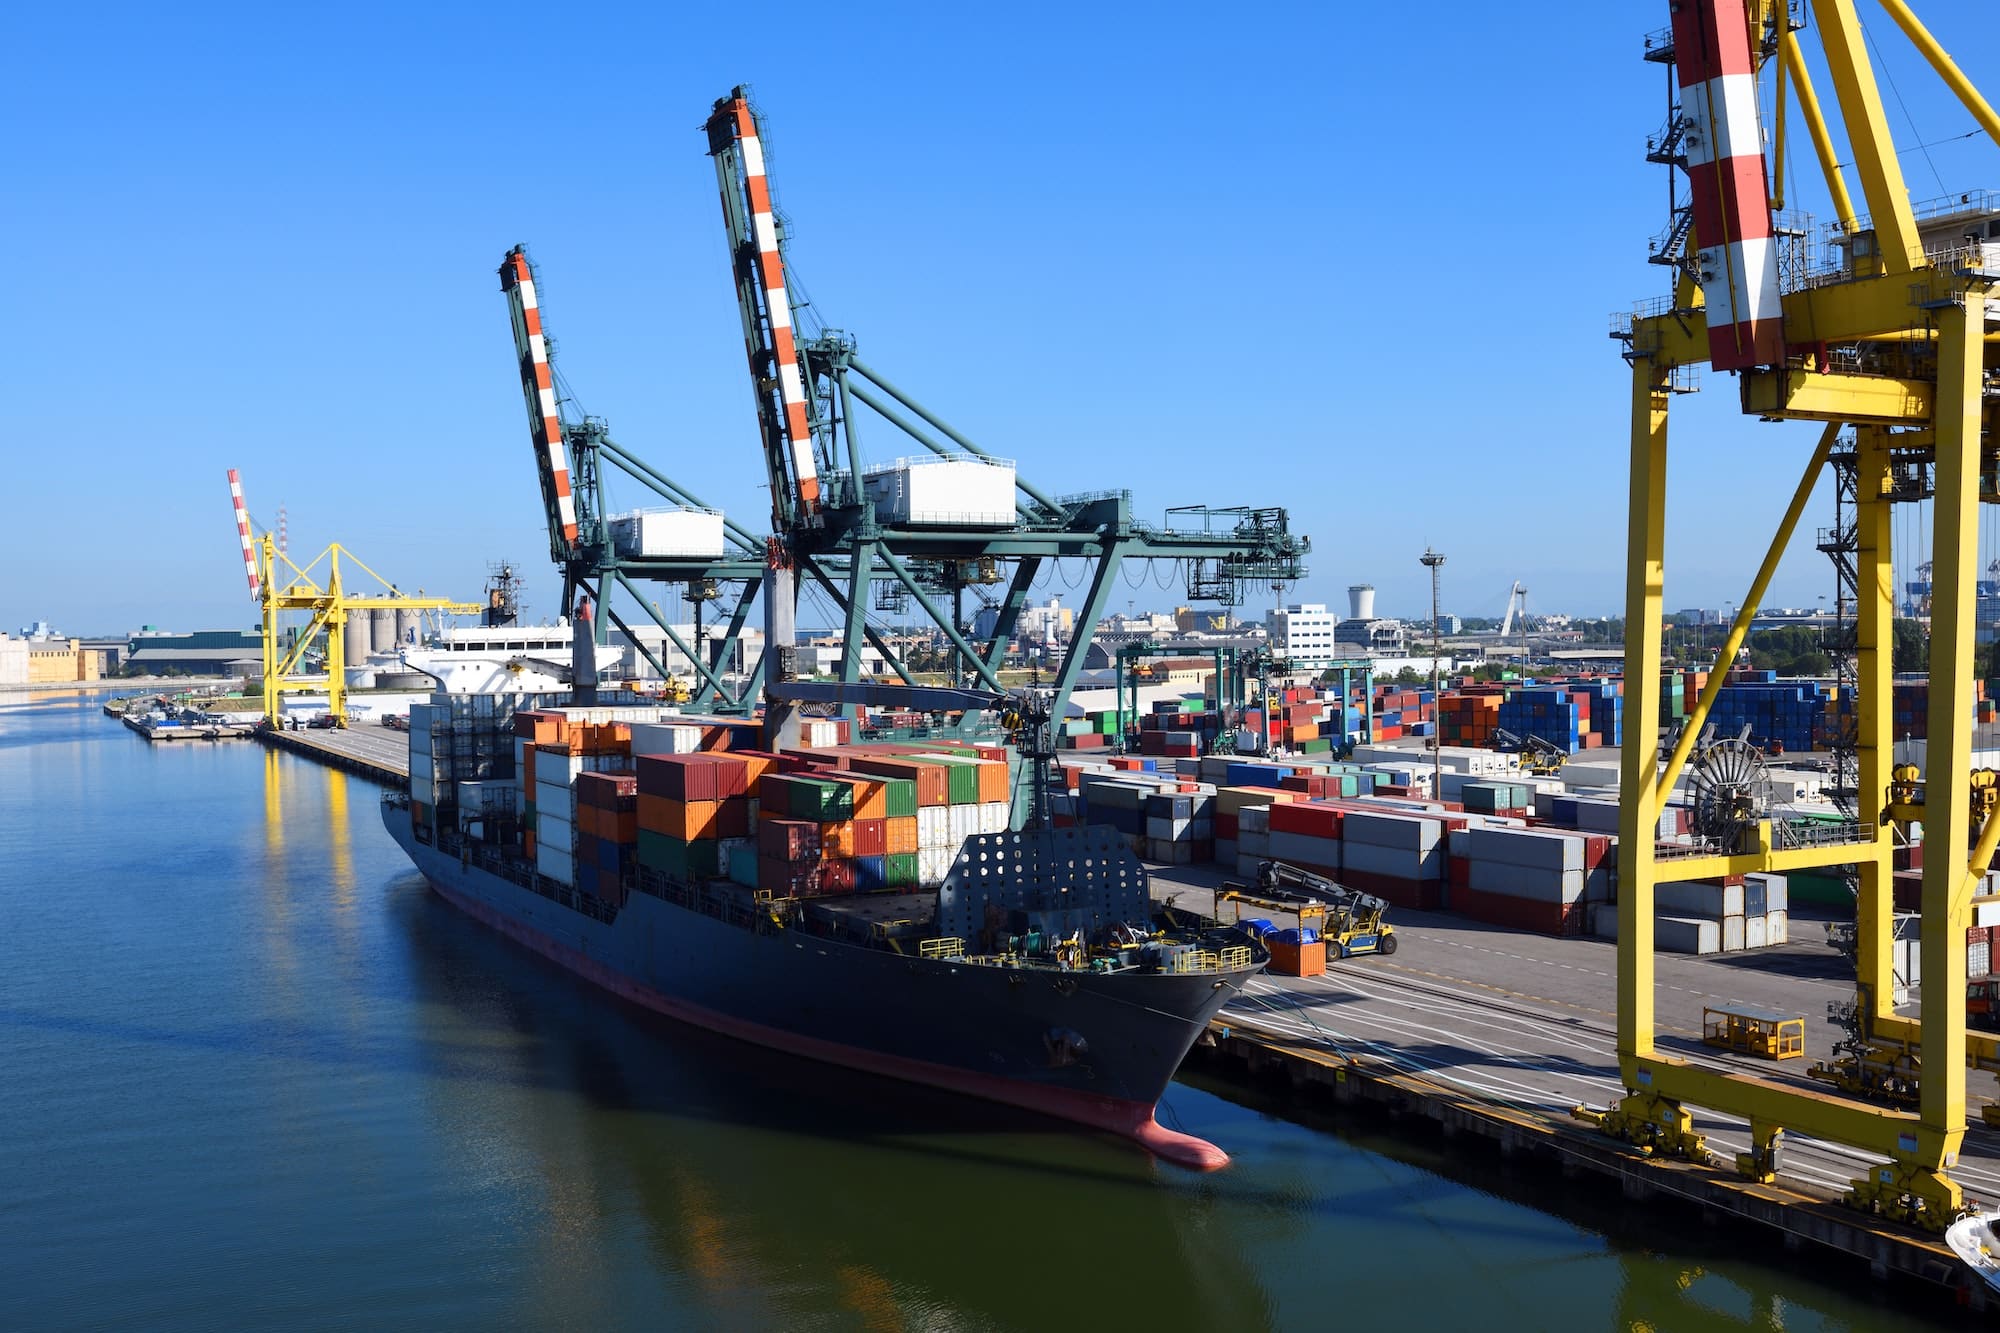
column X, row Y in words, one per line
column 555, row 862
column 1978, row 958
column 995, row 816
column 1396, row 862
column 1536, row 883
column 658, row 738
column 1756, row 932
column 1253, row 819
column 554, row 831
column 1604, row 920
column 933, row 864
column 553, row 798
column 1985, row 911
column 1733, row 934
column 1304, row 848
column 423, row 770
column 958, row 492
column 961, row 822
column 1525, row 847
column 934, row 827
column 1398, row 831
column 682, row 532
column 1692, row 898
column 1777, row 928
column 1681, row 934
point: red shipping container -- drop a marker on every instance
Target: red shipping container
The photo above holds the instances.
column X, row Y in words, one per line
column 608, row 791
column 1226, row 825
column 786, row 879
column 1319, row 821
column 871, row 837
column 692, row 777
column 836, row 877
column 788, row 840
column 1499, row 909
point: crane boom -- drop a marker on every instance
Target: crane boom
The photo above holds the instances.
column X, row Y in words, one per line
column 784, row 410
column 243, row 532
column 517, row 280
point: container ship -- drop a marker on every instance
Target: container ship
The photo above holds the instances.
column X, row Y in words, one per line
column 869, row 905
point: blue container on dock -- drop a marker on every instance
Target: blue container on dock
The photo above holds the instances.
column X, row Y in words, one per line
column 1296, row 935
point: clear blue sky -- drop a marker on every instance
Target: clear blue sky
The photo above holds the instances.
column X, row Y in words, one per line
column 1357, row 260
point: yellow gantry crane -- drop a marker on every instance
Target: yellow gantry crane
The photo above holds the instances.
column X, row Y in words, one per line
column 1886, row 343
column 328, row 604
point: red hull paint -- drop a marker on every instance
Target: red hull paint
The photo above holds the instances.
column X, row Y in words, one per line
column 1133, row 1120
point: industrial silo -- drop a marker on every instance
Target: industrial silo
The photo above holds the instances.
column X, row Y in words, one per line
column 1361, row 602
column 385, row 630
column 406, row 630
column 360, row 639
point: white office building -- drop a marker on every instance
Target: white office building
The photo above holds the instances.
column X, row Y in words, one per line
column 1303, row 634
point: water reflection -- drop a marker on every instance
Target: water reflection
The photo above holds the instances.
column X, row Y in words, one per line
column 769, row 1188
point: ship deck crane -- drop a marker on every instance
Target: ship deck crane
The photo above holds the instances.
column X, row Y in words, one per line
column 1889, row 348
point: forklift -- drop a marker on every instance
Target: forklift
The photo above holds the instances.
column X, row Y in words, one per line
column 1538, row 757
column 1351, row 922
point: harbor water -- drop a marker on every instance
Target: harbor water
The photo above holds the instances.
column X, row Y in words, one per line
column 257, row 1076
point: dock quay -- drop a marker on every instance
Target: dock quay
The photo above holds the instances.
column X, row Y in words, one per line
column 1496, row 1035
column 1493, row 1038
column 178, row 729
column 375, row 753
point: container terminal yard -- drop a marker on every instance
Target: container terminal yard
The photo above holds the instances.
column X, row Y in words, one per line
column 1708, row 933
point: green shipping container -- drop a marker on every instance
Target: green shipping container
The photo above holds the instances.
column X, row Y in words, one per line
column 899, row 869
column 743, row 864
column 1321, row 745
column 902, row 797
column 1821, row 890
column 821, row 802
column 659, row 852
column 701, row 859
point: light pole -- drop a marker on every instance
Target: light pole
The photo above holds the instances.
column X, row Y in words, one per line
column 1432, row 561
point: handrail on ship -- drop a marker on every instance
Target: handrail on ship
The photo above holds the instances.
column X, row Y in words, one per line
column 723, row 908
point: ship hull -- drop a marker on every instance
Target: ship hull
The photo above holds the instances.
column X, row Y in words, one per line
column 1003, row 1035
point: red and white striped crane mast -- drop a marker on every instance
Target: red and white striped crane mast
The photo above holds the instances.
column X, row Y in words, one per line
column 777, row 372
column 244, row 534
column 1736, row 246
column 517, row 280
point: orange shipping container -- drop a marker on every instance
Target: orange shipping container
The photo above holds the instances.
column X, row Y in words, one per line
column 993, row 781
column 900, row 834
column 539, row 728
column 687, row 820
column 837, row 839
